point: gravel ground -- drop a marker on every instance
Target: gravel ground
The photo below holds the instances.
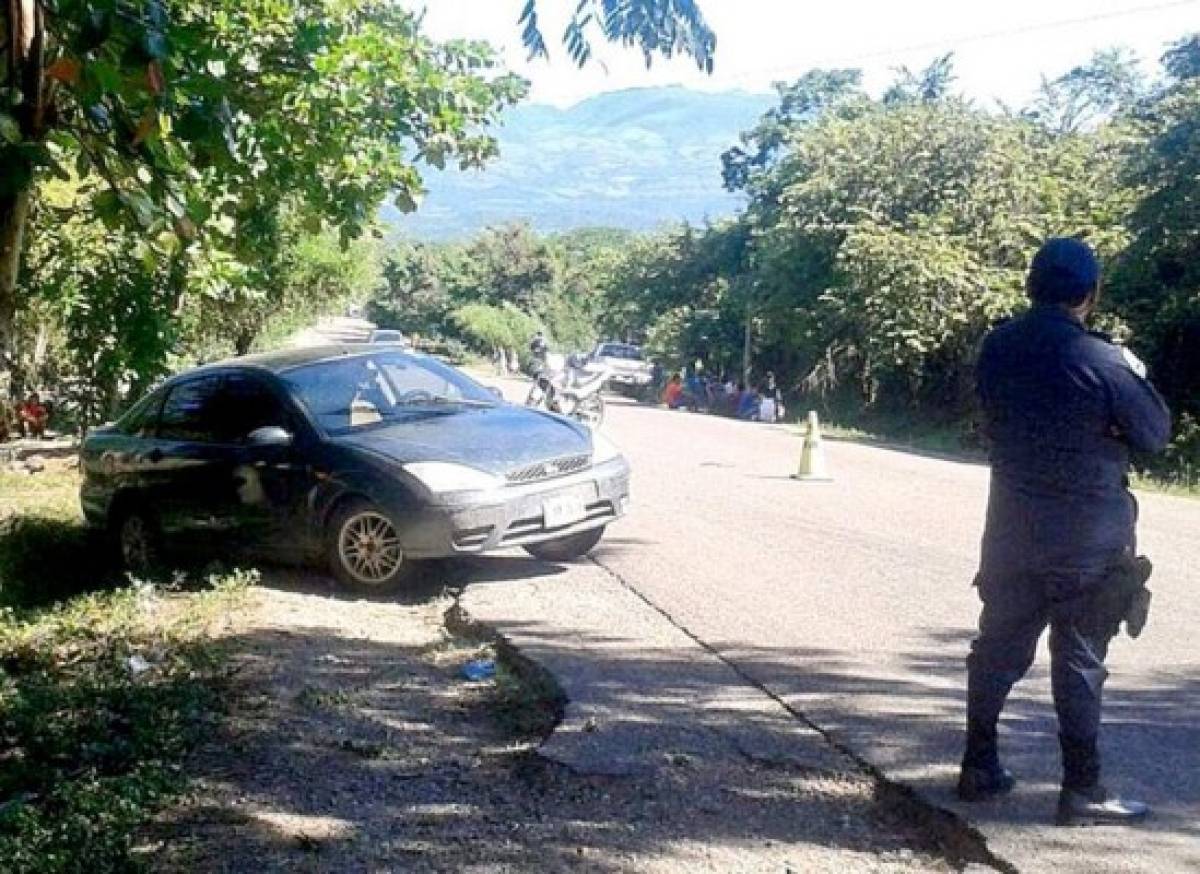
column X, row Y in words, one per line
column 353, row 744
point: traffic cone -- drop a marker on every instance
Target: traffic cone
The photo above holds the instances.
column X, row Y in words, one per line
column 812, row 456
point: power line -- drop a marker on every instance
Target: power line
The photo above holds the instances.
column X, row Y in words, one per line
column 955, row 42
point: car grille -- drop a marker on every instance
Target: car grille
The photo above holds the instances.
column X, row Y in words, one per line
column 544, row 470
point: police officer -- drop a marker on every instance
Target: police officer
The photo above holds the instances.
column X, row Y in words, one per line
column 538, row 347
column 1063, row 407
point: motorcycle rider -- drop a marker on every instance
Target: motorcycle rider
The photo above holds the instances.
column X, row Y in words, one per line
column 539, row 348
column 1063, row 408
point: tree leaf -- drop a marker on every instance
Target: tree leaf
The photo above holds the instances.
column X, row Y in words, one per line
column 10, row 130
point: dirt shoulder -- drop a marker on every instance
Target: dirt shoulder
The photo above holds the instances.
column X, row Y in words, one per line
column 353, row 743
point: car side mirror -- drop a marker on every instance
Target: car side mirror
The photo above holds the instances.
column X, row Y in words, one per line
column 269, row 435
column 496, row 390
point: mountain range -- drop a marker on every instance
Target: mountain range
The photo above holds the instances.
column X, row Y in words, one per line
column 634, row 159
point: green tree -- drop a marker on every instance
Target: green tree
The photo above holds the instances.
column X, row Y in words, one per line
column 184, row 119
column 926, row 86
column 491, row 327
column 1157, row 283
column 416, row 293
column 800, row 103
column 667, row 27
column 1080, row 99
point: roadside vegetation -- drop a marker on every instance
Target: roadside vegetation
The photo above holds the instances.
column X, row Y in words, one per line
column 883, row 237
column 202, row 179
column 103, row 687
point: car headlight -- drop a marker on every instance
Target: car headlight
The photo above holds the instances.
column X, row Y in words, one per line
column 603, row 449
column 441, row 476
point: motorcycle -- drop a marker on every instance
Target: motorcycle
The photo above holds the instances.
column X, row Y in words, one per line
column 570, row 388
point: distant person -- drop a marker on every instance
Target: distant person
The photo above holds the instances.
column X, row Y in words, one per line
column 747, row 404
column 33, row 416
column 1062, row 407
column 694, row 392
column 672, row 395
column 771, row 406
column 539, row 347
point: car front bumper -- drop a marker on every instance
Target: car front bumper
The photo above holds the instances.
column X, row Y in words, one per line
column 636, row 380
column 475, row 522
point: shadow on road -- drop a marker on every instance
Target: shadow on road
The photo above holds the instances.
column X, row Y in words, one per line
column 343, row 753
column 907, row 718
column 420, row 775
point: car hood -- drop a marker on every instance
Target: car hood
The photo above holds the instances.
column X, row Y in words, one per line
column 495, row 439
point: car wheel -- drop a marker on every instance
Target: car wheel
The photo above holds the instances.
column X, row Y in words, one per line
column 139, row 542
column 567, row 548
column 364, row 548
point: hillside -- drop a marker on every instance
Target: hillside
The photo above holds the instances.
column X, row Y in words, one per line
column 629, row 159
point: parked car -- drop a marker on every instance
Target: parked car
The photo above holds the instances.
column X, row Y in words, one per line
column 628, row 368
column 367, row 458
column 389, row 335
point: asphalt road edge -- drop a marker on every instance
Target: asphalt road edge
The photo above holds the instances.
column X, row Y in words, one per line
column 961, row 843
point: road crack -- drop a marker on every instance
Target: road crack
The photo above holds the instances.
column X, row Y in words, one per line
column 961, row 842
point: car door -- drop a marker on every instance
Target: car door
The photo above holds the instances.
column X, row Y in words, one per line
column 191, row 464
column 270, row 480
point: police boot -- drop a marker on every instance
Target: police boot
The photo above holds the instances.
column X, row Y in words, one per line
column 982, row 777
column 1097, row 806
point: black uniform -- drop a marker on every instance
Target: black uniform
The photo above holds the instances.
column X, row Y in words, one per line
column 1063, row 409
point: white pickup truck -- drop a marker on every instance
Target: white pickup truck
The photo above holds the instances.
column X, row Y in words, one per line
column 629, row 369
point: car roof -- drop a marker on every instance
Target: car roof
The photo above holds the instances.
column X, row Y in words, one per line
column 285, row 359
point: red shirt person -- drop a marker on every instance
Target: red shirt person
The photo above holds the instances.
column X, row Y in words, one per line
column 32, row 416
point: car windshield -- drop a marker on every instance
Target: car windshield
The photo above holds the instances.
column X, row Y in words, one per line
column 364, row 390
column 616, row 350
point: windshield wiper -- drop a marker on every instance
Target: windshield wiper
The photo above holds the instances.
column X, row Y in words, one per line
column 443, row 400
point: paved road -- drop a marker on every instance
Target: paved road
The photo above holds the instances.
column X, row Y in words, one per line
column 851, row 601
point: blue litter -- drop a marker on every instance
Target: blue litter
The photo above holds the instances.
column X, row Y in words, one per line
column 479, row 669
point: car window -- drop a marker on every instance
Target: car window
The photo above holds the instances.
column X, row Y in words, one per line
column 142, row 418
column 245, row 404
column 188, row 413
column 367, row 389
column 616, row 350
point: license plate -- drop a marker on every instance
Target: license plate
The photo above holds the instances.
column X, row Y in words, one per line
column 562, row 510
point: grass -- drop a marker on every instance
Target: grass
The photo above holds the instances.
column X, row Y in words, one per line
column 103, row 686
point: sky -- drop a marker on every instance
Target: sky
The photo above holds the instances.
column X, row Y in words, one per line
column 1001, row 49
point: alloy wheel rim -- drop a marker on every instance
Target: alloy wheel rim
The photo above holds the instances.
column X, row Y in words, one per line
column 369, row 548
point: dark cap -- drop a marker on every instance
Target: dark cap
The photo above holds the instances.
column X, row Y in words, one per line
column 1064, row 270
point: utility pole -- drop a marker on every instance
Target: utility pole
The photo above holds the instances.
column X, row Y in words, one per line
column 746, row 347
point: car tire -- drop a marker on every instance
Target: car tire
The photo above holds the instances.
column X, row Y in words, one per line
column 138, row 541
column 569, row 548
column 363, row 548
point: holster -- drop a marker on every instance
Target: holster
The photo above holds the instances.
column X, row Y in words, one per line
column 1121, row 596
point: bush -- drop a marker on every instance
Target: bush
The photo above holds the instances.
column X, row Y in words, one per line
column 99, row 701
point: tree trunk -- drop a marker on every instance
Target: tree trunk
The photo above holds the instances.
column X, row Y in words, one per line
column 25, row 50
column 14, row 212
column 747, row 337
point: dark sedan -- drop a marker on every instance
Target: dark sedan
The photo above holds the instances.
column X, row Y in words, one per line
column 367, row 458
